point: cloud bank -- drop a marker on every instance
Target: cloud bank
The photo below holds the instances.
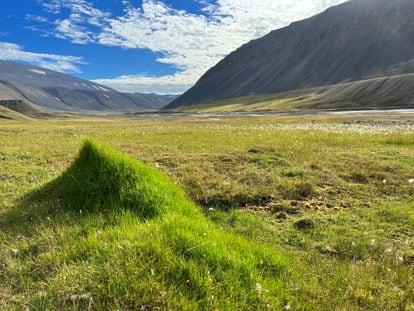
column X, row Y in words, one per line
column 61, row 63
column 192, row 43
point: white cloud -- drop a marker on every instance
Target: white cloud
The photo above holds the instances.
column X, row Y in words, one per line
column 36, row 18
column 75, row 26
column 169, row 84
column 192, row 43
column 14, row 52
column 71, row 30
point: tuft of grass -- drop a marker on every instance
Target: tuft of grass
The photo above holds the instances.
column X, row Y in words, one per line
column 359, row 177
column 103, row 179
column 293, row 173
column 298, row 191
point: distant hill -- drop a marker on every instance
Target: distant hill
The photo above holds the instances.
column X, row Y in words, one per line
column 48, row 90
column 7, row 114
column 357, row 40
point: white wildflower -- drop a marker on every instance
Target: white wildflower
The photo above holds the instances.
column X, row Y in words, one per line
column 411, row 181
column 259, row 288
column 384, row 181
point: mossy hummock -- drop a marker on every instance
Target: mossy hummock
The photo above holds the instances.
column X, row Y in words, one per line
column 102, row 178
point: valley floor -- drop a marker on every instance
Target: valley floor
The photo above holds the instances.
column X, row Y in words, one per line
column 331, row 196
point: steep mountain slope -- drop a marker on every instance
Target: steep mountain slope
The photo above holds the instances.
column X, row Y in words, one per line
column 357, row 40
column 49, row 90
column 394, row 92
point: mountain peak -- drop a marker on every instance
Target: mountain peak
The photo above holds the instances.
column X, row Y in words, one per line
column 357, row 40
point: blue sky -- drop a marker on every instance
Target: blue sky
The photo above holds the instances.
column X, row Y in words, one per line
column 149, row 46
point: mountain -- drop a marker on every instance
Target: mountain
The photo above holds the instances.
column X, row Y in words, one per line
column 357, row 40
column 46, row 91
column 378, row 93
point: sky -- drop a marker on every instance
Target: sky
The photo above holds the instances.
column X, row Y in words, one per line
column 147, row 46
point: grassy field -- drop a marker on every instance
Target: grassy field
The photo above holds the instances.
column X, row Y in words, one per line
column 271, row 213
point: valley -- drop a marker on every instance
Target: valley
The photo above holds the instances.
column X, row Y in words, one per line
column 207, row 155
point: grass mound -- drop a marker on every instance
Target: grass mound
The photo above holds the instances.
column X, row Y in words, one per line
column 111, row 259
column 103, row 179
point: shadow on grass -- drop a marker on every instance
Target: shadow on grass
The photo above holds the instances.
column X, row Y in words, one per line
column 37, row 209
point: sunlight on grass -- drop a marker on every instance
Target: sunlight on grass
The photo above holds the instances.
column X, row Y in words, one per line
column 310, row 213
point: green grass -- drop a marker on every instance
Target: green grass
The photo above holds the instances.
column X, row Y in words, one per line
column 272, row 102
column 102, row 178
column 210, row 217
column 8, row 114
